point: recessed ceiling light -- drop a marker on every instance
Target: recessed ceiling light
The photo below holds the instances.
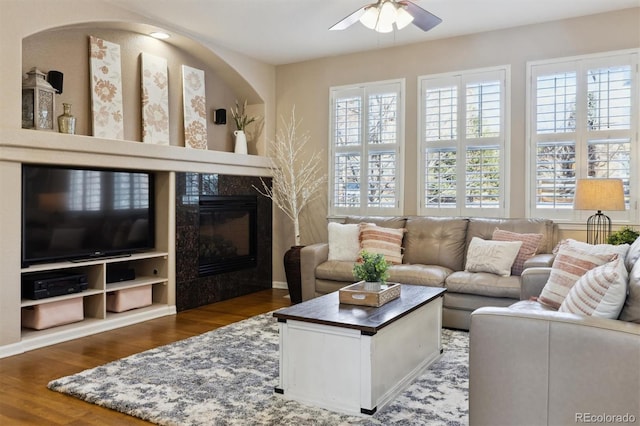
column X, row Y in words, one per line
column 159, row 35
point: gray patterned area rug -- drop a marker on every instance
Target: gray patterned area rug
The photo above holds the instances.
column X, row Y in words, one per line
column 227, row 377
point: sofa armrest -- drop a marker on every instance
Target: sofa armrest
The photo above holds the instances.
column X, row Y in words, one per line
column 533, row 281
column 310, row 257
column 546, row 367
column 539, row 260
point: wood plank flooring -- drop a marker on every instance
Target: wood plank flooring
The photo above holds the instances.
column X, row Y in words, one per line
column 25, row 399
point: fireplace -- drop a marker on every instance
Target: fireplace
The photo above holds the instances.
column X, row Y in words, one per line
column 227, row 239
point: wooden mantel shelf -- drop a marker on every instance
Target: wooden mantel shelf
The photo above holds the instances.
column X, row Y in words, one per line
column 33, row 146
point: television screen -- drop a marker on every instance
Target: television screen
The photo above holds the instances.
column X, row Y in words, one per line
column 71, row 213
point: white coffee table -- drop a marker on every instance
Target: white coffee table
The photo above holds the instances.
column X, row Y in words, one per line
column 356, row 359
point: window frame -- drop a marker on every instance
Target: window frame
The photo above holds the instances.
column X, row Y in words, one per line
column 461, row 143
column 582, row 136
column 364, row 149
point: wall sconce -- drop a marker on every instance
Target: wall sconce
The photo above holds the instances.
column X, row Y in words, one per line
column 38, row 106
column 599, row 194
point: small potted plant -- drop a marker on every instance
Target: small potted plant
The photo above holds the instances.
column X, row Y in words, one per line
column 373, row 270
column 624, row 235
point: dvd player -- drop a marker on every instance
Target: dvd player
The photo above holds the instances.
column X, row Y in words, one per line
column 50, row 284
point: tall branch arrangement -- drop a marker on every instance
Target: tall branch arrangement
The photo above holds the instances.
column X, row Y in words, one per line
column 296, row 181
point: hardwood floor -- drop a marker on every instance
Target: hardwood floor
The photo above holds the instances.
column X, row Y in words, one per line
column 25, row 399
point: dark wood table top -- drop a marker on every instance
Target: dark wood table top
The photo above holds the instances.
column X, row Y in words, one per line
column 328, row 310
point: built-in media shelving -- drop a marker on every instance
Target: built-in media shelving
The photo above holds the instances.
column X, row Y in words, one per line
column 150, row 269
column 155, row 268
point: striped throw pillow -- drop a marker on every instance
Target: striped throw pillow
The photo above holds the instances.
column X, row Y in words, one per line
column 385, row 241
column 600, row 292
column 569, row 265
column 528, row 249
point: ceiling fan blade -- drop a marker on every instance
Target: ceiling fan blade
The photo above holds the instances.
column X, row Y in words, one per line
column 421, row 18
column 349, row 20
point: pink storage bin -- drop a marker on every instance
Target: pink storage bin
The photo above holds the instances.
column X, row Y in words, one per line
column 52, row 314
column 129, row 298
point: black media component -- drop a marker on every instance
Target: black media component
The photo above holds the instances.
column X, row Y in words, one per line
column 116, row 274
column 73, row 213
column 49, row 284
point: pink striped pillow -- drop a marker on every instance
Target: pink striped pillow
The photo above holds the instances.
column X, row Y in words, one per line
column 569, row 265
column 528, row 249
column 600, row 292
column 386, row 241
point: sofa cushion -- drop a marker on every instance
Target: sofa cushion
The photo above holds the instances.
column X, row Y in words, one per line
column 495, row 257
column 529, row 247
column 471, row 302
column 429, row 275
column 631, row 310
column 569, row 265
column 344, row 241
column 384, row 241
column 387, row 222
column 484, row 227
column 600, row 292
column 336, row 270
column 633, row 254
column 435, row 241
column 483, row 284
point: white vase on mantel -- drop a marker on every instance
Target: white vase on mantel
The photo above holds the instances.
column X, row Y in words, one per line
column 241, row 142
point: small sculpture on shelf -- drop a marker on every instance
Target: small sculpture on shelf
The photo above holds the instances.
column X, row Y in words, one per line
column 242, row 120
column 66, row 121
column 38, row 106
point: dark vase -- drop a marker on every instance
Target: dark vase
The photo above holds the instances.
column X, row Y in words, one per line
column 292, row 271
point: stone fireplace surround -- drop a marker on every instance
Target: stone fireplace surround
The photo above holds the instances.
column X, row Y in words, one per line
column 191, row 289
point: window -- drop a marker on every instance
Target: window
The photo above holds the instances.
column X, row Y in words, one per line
column 366, row 136
column 463, row 143
column 583, row 122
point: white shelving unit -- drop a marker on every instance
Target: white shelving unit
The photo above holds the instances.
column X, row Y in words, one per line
column 151, row 268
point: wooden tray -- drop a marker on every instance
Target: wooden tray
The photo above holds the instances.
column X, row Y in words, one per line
column 360, row 294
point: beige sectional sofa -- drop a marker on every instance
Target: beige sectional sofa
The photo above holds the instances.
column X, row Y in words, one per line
column 532, row 365
column 435, row 250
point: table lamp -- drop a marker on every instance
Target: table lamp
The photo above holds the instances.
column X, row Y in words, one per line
column 599, row 194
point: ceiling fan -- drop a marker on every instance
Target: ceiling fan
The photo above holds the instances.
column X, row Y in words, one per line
column 381, row 16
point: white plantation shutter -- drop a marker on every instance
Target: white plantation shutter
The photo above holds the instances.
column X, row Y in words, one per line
column 583, row 124
column 463, row 143
column 366, row 137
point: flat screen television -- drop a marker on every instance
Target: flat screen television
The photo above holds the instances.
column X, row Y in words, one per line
column 75, row 213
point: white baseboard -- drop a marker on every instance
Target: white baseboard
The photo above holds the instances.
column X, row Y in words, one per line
column 280, row 284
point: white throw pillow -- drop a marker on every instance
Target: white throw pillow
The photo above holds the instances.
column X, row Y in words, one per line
column 344, row 241
column 491, row 256
column 572, row 262
column 600, row 292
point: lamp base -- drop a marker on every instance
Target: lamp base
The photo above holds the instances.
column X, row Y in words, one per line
column 598, row 228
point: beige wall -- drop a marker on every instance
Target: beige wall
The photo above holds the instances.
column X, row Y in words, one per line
column 66, row 50
column 306, row 85
column 21, row 19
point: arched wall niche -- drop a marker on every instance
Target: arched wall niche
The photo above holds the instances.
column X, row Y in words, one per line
column 66, row 49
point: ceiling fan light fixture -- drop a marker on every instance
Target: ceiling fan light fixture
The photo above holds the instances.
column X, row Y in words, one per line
column 403, row 18
column 370, row 17
column 387, row 17
column 383, row 14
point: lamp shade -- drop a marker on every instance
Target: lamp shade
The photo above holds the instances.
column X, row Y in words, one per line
column 599, row 194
